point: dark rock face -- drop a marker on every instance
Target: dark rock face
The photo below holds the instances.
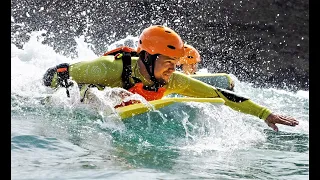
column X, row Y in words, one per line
column 262, row 42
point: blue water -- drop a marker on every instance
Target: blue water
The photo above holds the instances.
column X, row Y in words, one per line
column 70, row 140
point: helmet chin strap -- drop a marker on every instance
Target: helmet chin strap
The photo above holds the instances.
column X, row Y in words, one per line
column 149, row 63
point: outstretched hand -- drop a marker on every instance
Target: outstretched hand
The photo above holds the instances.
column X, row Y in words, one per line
column 274, row 119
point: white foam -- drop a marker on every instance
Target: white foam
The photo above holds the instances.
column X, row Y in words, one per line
column 227, row 129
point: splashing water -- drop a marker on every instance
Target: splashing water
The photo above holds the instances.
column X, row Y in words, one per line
column 68, row 139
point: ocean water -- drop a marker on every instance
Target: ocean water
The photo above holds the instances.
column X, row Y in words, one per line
column 70, row 140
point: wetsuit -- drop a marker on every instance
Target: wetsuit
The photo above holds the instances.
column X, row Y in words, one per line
column 106, row 71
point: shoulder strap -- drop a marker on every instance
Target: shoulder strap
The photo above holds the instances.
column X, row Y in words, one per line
column 126, row 70
column 125, row 53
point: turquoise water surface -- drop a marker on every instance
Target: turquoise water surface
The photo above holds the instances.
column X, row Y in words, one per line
column 69, row 140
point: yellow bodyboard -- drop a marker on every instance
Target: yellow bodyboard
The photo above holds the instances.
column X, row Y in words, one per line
column 135, row 109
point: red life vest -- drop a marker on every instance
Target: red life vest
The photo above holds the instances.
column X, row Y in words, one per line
column 121, row 49
column 148, row 95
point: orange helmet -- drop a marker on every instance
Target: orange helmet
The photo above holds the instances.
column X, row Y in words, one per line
column 191, row 55
column 162, row 40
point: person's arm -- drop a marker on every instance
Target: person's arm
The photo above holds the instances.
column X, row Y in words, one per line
column 184, row 85
column 191, row 87
column 102, row 71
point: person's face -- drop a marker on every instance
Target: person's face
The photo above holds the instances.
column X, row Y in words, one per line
column 164, row 67
column 189, row 68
